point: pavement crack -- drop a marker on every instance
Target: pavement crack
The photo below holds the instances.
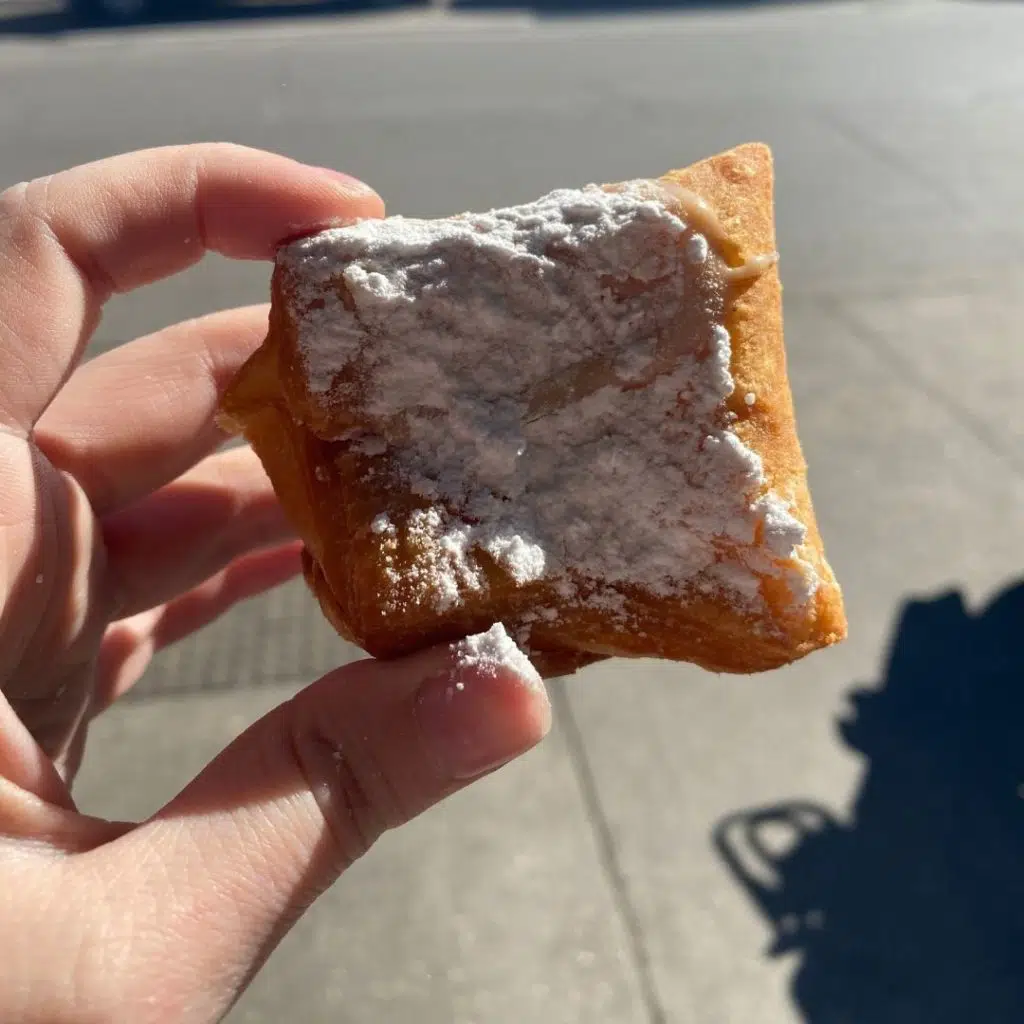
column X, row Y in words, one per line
column 609, row 858
column 972, row 423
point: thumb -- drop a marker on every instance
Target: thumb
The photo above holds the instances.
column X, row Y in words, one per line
column 277, row 816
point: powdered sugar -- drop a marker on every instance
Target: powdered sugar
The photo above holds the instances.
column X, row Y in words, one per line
column 551, row 380
column 697, row 249
column 783, row 533
column 523, row 559
column 495, row 651
column 445, row 569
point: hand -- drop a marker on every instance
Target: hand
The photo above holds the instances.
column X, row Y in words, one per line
column 123, row 529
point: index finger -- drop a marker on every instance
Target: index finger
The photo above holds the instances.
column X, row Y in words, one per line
column 70, row 241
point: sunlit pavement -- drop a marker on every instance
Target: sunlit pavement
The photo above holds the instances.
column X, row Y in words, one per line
column 683, row 848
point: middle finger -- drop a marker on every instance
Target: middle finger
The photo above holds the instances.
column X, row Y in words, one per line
column 137, row 417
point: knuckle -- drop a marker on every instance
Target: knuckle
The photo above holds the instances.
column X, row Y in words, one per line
column 29, row 212
column 23, row 207
column 12, row 200
column 352, row 792
column 21, row 230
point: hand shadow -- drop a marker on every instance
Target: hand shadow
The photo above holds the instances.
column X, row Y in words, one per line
column 914, row 912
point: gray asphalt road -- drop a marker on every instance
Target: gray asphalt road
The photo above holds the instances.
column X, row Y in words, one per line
column 684, row 848
column 893, row 126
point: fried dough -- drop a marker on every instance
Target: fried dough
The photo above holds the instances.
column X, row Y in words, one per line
column 572, row 417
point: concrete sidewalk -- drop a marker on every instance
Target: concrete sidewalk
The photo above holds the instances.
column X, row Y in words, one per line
column 683, row 848
column 583, row 884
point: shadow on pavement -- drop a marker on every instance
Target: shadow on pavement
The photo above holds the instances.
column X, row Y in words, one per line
column 913, row 912
column 74, row 15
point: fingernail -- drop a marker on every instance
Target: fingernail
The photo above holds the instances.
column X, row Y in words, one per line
column 350, row 183
column 489, row 707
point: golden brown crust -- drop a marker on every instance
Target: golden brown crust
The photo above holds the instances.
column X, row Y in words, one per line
column 330, row 495
column 739, row 187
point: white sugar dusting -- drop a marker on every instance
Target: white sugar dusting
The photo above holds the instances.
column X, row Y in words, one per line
column 523, row 559
column 783, row 533
column 551, row 380
column 445, row 569
column 697, row 249
column 493, row 652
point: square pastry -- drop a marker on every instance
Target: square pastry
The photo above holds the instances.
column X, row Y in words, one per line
column 571, row 417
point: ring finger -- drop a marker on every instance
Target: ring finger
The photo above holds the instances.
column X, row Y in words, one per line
column 156, row 417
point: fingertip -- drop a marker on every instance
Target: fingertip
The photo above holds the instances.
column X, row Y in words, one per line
column 487, row 708
column 340, row 200
column 245, row 189
column 349, row 185
column 360, row 201
column 355, row 199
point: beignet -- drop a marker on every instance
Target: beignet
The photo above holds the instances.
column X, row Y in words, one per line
column 571, row 417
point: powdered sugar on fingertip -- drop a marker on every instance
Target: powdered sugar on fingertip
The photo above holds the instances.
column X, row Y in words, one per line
column 491, row 652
